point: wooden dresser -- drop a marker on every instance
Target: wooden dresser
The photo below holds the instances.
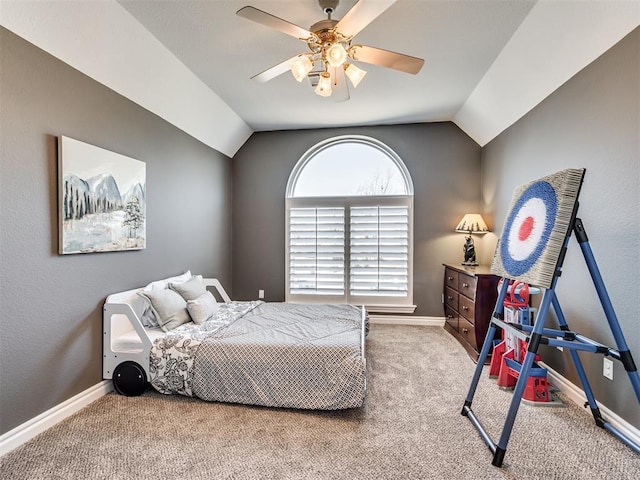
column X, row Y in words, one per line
column 469, row 295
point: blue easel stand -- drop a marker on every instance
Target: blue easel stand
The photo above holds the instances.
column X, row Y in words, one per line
column 565, row 338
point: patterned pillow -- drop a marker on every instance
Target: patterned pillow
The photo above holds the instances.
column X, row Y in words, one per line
column 169, row 308
column 202, row 308
column 191, row 289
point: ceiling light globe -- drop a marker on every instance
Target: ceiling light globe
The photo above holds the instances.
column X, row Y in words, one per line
column 301, row 67
column 354, row 74
column 336, row 55
column 324, row 85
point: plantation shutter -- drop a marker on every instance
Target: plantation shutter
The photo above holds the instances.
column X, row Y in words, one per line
column 379, row 251
column 317, row 251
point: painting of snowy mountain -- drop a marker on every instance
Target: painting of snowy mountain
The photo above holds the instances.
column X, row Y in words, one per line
column 102, row 199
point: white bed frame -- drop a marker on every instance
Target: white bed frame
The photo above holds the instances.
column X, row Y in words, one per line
column 121, row 315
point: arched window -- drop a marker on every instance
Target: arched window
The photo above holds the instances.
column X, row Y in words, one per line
column 350, row 226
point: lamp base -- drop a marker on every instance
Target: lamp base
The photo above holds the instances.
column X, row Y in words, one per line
column 469, row 250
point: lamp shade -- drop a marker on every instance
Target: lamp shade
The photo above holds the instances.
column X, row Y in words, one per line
column 324, row 85
column 300, row 67
column 354, row 73
column 472, row 223
column 336, row 55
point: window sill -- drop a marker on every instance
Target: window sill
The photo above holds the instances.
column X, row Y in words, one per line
column 407, row 309
column 375, row 308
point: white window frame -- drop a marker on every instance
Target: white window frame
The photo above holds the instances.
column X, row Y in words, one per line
column 386, row 304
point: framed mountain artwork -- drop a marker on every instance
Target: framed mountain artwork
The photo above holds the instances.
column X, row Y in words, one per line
column 101, row 199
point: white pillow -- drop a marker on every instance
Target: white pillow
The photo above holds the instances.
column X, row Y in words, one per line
column 162, row 284
column 202, row 308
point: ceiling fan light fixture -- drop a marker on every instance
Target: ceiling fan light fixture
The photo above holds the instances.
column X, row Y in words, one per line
column 324, row 85
column 354, row 74
column 301, row 67
column 335, row 55
column 329, row 42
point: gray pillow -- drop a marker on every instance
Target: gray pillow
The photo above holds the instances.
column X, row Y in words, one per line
column 202, row 308
column 148, row 317
column 191, row 289
column 169, row 308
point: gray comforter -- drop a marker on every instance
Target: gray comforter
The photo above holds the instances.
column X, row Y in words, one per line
column 271, row 354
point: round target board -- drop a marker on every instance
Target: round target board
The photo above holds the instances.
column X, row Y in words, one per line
column 528, row 227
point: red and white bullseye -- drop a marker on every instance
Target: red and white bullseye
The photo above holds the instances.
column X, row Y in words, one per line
column 527, row 229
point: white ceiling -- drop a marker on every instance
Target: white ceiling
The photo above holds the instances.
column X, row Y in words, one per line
column 458, row 39
column 488, row 62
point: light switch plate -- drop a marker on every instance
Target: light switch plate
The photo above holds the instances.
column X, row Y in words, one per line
column 607, row 368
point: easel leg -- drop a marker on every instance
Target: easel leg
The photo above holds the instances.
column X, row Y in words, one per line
column 562, row 322
column 527, row 363
column 484, row 353
column 621, row 344
column 466, row 409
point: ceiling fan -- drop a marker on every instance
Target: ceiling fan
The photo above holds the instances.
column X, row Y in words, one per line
column 330, row 59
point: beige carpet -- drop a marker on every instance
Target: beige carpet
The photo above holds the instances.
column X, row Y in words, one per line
column 409, row 428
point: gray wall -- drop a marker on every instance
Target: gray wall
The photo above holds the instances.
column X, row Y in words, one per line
column 444, row 164
column 51, row 305
column 593, row 122
column 50, row 342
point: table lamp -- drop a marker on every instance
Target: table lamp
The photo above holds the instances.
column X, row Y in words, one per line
column 471, row 223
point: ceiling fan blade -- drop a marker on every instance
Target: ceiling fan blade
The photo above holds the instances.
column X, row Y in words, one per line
column 387, row 58
column 268, row 20
column 274, row 71
column 339, row 87
column 361, row 14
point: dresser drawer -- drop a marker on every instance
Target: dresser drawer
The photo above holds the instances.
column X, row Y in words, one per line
column 451, row 278
column 451, row 298
column 467, row 285
column 467, row 332
column 468, row 295
column 467, row 308
column 451, row 317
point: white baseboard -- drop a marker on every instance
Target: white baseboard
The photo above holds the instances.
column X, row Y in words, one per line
column 25, row 432
column 407, row 320
column 577, row 395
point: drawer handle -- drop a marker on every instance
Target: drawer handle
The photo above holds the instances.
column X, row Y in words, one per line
column 465, row 285
column 465, row 330
column 449, row 297
column 464, row 307
column 450, row 279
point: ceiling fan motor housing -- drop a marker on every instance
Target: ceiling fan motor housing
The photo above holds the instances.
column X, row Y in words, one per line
column 325, row 38
column 324, row 30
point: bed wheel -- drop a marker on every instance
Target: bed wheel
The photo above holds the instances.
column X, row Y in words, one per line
column 129, row 379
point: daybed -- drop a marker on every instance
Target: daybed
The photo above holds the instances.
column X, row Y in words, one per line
column 309, row 356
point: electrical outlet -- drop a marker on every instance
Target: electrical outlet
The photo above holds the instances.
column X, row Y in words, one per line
column 607, row 368
column 260, row 293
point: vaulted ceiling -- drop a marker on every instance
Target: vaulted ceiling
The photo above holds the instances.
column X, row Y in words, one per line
column 487, row 62
column 458, row 41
